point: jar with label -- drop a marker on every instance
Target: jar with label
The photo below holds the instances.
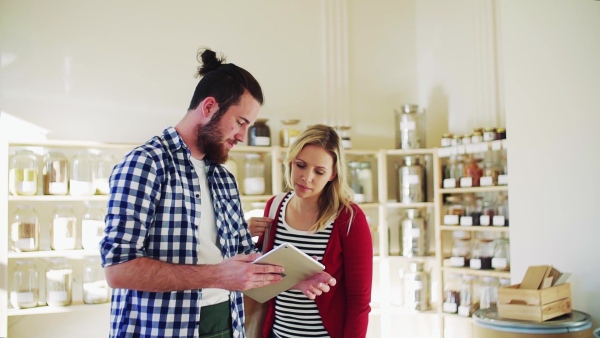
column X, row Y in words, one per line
column 453, row 171
column 354, row 181
column 365, row 177
column 259, row 134
column 481, row 257
column 414, row 235
column 411, row 180
column 254, row 181
column 488, row 292
column 447, row 140
column 409, row 124
column 23, row 174
column 461, row 252
column 63, row 230
column 451, row 293
column 472, row 211
column 59, row 281
column 501, row 134
column 490, row 174
column 489, row 134
column 456, row 140
column 469, row 299
column 104, row 165
column 25, row 229
column 344, row 134
column 501, row 218
column 82, row 175
column 289, row 132
column 501, row 259
column 488, row 211
column 454, row 210
column 416, row 287
column 56, row 174
column 472, row 172
column 466, row 139
column 25, row 291
column 477, row 137
column 95, row 287
column 92, row 227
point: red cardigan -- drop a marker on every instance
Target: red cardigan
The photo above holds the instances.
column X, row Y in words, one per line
column 349, row 259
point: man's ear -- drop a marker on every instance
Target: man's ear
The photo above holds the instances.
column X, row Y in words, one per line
column 209, row 107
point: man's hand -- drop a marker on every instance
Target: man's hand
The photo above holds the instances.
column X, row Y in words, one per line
column 238, row 273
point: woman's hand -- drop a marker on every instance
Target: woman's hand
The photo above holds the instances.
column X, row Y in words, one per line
column 258, row 225
column 315, row 286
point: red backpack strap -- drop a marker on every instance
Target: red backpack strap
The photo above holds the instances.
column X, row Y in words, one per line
column 275, row 204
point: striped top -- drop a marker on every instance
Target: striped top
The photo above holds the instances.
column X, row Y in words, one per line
column 295, row 314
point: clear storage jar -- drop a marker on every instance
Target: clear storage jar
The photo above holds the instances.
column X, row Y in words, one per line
column 63, row 230
column 451, row 293
column 501, row 258
column 59, row 283
column 104, row 165
column 408, row 127
column 461, row 251
column 414, row 234
column 254, row 180
column 469, row 298
column 56, row 174
column 411, row 180
column 354, row 181
column 25, row 290
column 95, row 287
column 92, row 227
column 488, row 211
column 488, row 292
column 453, row 172
column 365, row 177
column 289, row 132
column 23, row 174
column 454, row 210
column 259, row 134
column 502, row 217
column 481, row 257
column 82, row 175
column 25, row 229
column 416, row 287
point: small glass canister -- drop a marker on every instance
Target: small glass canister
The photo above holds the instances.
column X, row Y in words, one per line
column 501, row 259
column 82, row 175
column 92, row 227
column 289, row 132
column 489, row 134
column 56, row 174
column 365, row 177
column 501, row 218
column 481, row 258
column 59, row 281
column 454, row 210
column 469, row 299
column 23, row 174
column 344, row 134
column 63, row 230
column 25, row 229
column 259, row 134
column 451, row 293
column 411, row 180
column 409, row 124
column 354, row 181
column 95, row 287
column 414, row 235
column 488, row 292
column 461, row 251
column 254, row 180
column 416, row 287
column 104, row 165
column 446, row 140
column 25, row 291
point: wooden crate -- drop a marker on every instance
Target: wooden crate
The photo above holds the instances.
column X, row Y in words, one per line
column 534, row 305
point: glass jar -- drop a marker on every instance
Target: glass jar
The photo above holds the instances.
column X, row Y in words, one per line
column 477, row 137
column 82, row 175
column 452, row 172
column 416, row 287
column 414, row 235
column 447, row 140
column 254, row 181
column 488, row 211
column 469, row 299
column 472, row 172
column 501, row 134
column 503, row 167
column 481, row 258
column 489, row 174
column 409, row 126
column 451, row 293
column 95, row 287
column 488, row 292
column 501, row 258
column 344, row 133
column 456, row 140
column 92, row 227
column 63, row 230
column 411, row 180
column 365, row 177
column 454, row 210
column 56, row 174
column 25, row 291
column 289, row 132
column 354, row 181
column 461, row 252
column 25, row 229
column 104, row 165
column 466, row 139
column 59, row 280
column 470, row 209
column 489, row 134
column 501, row 218
column 23, row 174
column 259, row 134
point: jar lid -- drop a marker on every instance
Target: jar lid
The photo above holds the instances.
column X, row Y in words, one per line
column 411, row 160
column 467, row 136
column 447, row 135
column 477, row 130
column 477, row 133
column 412, row 213
column 501, row 130
column 489, row 129
column 409, row 108
column 290, row 121
column 262, row 120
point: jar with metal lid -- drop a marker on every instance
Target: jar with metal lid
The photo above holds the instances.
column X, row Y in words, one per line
column 466, row 139
column 469, row 299
column 259, row 134
column 471, row 211
column 104, row 165
column 344, row 134
column 416, row 287
column 25, row 229
column 501, row 134
column 451, row 293
column 411, row 180
column 501, row 259
column 289, row 132
column 461, row 252
column 490, row 174
column 56, row 174
column 95, row 287
column 23, row 174
column 454, row 210
column 488, row 292
column 414, row 234
column 456, row 140
column 446, row 140
column 59, row 283
column 25, row 291
column 254, row 180
column 489, row 134
column 82, row 175
column 481, row 257
column 63, row 230
column 477, row 137
column 472, row 172
column 92, row 227
column 409, row 125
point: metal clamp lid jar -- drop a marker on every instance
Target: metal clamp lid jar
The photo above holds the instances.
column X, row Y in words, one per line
column 408, row 127
column 259, row 134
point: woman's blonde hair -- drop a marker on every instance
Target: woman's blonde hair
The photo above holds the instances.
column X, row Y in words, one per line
column 336, row 195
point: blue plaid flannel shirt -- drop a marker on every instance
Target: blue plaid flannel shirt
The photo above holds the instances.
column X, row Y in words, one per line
column 153, row 211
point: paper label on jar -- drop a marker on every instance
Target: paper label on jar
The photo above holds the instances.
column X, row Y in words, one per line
column 457, row 261
column 489, row 136
column 57, row 296
column 445, row 152
column 499, row 263
column 476, row 139
column 496, row 145
column 408, row 125
column 502, row 179
column 486, row 181
column 81, row 188
column 26, row 187
column 263, row 141
column 58, row 188
column 254, row 185
column 450, row 307
column 466, row 221
column 464, row 311
column 415, row 232
column 446, row 142
column 451, row 219
column 25, row 244
column 346, row 144
column 413, row 179
column 498, row 220
column 449, row 183
column 475, row 263
column 415, row 285
column 466, row 182
column 484, row 220
column 25, row 297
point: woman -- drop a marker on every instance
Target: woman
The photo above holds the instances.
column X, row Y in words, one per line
column 319, row 218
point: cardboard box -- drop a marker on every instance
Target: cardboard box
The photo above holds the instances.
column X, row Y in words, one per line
column 534, row 305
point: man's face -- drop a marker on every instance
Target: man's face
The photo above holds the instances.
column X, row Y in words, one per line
column 225, row 130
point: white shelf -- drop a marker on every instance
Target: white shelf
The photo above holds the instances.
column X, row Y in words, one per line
column 42, row 310
column 410, row 205
column 73, row 254
column 73, row 144
column 58, row 198
column 479, row 273
column 407, row 152
column 474, row 228
column 496, row 188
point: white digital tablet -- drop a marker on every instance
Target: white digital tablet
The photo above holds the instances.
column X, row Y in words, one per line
column 298, row 267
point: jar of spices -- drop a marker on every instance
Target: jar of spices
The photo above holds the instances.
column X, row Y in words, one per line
column 411, row 180
column 447, row 140
column 472, row 172
column 59, row 281
column 501, row 218
column 56, row 174
column 489, row 134
column 82, row 175
column 477, row 137
column 289, row 132
column 481, row 258
column 461, row 251
column 25, row 291
column 451, row 293
column 103, row 169
column 416, row 287
column 466, row 139
column 92, row 227
column 454, row 210
column 254, row 180
column 453, row 171
column 95, row 287
column 490, row 174
column 63, row 230
column 488, row 211
column 501, row 134
column 23, row 174
column 259, row 134
column 501, row 259
column 469, row 299
column 25, row 229
column 414, row 235
column 409, row 124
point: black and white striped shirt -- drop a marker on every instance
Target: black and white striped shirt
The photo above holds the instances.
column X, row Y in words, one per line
column 295, row 314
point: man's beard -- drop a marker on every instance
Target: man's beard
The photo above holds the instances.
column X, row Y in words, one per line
column 209, row 140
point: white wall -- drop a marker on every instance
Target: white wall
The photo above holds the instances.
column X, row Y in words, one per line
column 552, row 81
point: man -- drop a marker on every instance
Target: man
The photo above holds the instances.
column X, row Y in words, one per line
column 175, row 240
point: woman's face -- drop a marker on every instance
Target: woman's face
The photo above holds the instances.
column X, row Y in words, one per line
column 311, row 170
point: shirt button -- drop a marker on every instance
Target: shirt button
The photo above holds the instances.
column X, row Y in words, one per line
column 197, row 195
